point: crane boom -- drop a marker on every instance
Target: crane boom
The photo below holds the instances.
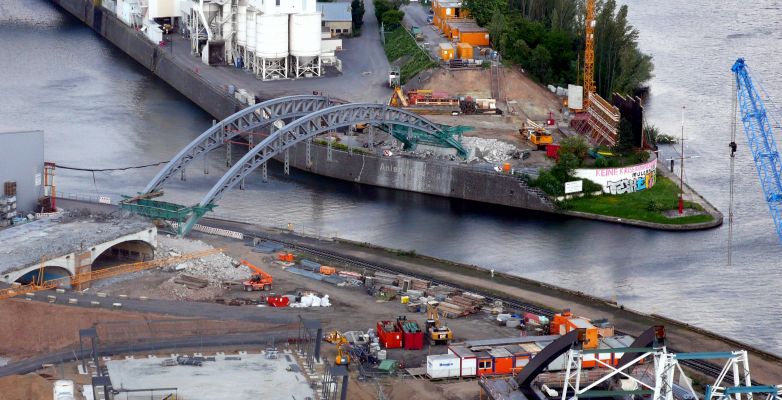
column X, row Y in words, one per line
column 760, row 138
column 589, row 52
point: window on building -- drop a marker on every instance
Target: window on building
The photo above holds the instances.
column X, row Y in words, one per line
column 277, row 2
column 484, row 365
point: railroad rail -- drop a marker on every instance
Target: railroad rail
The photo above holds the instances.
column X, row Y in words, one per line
column 704, row 367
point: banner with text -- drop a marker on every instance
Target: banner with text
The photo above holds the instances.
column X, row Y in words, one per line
column 620, row 180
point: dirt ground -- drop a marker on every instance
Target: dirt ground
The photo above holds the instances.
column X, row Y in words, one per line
column 25, row 387
column 419, row 389
column 51, row 327
column 524, row 97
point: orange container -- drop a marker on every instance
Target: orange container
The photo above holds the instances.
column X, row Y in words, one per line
column 506, row 168
column 503, row 365
column 478, row 37
column 464, row 51
column 446, row 52
column 325, row 270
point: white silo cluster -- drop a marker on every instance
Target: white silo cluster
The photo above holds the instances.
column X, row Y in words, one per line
column 275, row 39
column 281, row 38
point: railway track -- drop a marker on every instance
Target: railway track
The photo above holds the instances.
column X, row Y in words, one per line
column 704, row 367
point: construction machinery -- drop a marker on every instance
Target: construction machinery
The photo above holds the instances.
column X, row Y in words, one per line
column 335, row 337
column 339, row 339
column 260, row 280
column 749, row 105
column 436, row 330
column 398, row 98
column 78, row 279
column 536, row 134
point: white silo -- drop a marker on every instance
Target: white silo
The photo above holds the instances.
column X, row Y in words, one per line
column 241, row 25
column 271, row 48
column 229, row 20
column 249, row 58
column 305, row 44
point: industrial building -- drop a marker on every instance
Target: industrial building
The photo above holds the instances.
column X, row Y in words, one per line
column 273, row 39
column 21, row 173
column 337, row 17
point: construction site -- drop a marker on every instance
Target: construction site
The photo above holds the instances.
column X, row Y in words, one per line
column 197, row 318
column 144, row 298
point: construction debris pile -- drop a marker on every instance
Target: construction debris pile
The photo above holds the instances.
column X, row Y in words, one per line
column 197, row 279
column 490, row 150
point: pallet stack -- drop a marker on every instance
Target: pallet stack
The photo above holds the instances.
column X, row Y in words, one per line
column 8, row 203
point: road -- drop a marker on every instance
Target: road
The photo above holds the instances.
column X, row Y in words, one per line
column 364, row 66
column 416, row 15
column 245, row 339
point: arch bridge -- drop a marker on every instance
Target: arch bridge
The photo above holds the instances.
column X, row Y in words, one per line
column 295, row 119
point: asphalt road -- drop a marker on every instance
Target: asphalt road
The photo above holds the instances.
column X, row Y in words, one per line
column 245, row 339
column 416, row 15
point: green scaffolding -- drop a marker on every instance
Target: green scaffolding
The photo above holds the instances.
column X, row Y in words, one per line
column 164, row 210
column 449, row 136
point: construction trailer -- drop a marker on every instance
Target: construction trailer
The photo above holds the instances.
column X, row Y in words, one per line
column 506, row 356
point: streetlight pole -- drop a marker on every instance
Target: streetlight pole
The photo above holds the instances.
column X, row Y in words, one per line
column 681, row 170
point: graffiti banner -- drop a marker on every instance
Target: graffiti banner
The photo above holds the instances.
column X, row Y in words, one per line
column 629, row 179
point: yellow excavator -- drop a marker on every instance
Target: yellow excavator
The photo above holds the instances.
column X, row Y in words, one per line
column 337, row 338
column 398, row 98
column 437, row 331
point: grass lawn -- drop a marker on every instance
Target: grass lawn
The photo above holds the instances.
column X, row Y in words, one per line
column 398, row 44
column 664, row 193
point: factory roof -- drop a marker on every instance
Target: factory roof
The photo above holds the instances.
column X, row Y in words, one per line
column 25, row 245
column 338, row 11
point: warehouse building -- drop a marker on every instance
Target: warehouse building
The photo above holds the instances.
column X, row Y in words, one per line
column 337, row 18
column 21, row 168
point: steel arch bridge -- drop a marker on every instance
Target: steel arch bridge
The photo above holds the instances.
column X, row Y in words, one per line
column 257, row 116
column 306, row 117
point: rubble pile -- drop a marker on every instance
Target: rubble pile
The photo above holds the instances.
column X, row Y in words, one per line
column 215, row 269
column 490, row 150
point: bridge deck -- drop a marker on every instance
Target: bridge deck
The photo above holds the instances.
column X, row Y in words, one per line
column 25, row 245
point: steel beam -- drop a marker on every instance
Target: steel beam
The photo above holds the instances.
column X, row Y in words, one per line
column 306, row 127
column 257, row 116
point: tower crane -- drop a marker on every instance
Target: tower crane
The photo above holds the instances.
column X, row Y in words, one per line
column 760, row 140
column 589, row 52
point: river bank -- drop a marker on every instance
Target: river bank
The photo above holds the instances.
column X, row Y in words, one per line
column 681, row 336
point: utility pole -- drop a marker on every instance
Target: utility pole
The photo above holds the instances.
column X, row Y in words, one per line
column 681, row 170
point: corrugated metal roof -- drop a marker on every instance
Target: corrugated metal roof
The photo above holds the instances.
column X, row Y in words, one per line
column 510, row 340
column 339, row 11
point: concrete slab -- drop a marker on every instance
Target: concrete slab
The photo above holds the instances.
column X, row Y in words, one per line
column 251, row 377
column 25, row 245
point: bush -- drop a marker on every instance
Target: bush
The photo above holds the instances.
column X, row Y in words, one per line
column 601, row 162
column 654, row 205
column 575, row 145
column 392, row 19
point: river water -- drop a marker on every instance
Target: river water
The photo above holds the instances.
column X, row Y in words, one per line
column 99, row 109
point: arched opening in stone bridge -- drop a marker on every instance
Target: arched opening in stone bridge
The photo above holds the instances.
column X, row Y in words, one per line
column 123, row 253
column 49, row 273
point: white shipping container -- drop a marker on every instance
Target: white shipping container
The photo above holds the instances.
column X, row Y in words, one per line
column 442, row 366
column 469, row 366
column 63, row 390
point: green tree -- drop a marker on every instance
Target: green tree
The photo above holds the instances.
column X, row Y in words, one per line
column 357, row 13
column 619, row 65
column 392, row 19
column 575, row 145
column 540, row 63
column 381, row 6
column 484, row 10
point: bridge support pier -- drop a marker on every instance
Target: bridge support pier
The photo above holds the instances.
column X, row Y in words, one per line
column 309, row 153
column 265, row 173
column 287, row 167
